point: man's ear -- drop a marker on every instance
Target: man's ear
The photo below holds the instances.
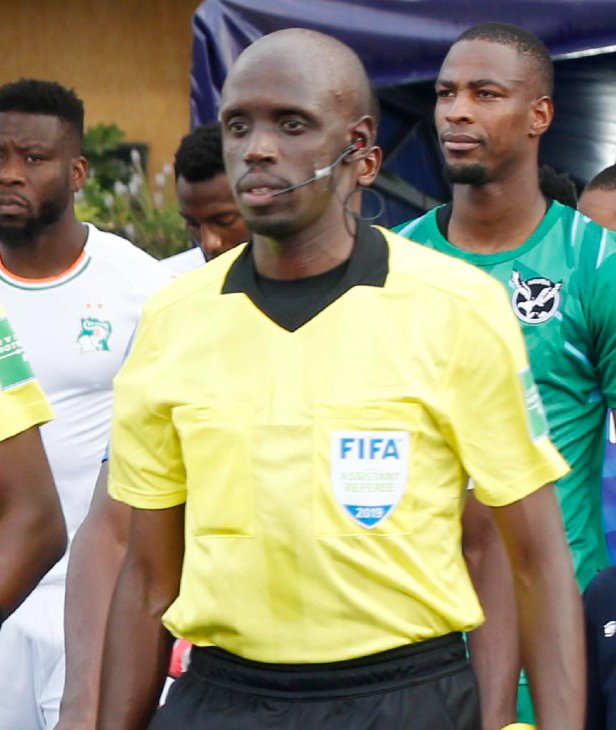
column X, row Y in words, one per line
column 79, row 173
column 542, row 113
column 363, row 132
column 369, row 166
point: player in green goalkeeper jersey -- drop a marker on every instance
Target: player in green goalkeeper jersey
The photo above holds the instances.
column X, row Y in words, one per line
column 559, row 268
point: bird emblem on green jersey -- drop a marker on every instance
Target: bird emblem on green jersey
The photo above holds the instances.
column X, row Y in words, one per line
column 535, row 300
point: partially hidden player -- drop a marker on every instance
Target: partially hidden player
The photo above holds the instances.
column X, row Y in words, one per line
column 32, row 530
column 73, row 295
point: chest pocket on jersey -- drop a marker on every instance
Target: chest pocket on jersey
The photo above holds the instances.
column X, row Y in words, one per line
column 363, row 467
column 217, row 443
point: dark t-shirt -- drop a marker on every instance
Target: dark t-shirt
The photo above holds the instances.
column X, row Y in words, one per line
column 600, row 607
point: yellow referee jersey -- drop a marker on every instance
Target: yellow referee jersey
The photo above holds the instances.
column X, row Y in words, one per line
column 324, row 467
column 22, row 403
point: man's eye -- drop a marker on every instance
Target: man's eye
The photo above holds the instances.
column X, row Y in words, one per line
column 34, row 158
column 444, row 93
column 226, row 220
column 237, row 127
column 487, row 94
column 293, row 125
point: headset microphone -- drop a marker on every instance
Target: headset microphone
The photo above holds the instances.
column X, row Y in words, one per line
column 323, row 172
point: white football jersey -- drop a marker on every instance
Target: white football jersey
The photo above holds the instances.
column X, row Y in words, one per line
column 76, row 328
column 184, row 261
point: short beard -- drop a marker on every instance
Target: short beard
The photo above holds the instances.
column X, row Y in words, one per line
column 281, row 229
column 19, row 236
column 277, row 231
column 473, row 174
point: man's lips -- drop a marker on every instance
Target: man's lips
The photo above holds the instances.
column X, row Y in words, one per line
column 256, row 190
column 12, row 205
column 257, row 196
column 459, row 142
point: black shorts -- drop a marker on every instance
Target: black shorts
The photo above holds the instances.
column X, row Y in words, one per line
column 423, row 686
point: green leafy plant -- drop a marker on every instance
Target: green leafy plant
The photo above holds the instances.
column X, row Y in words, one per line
column 117, row 196
column 101, row 148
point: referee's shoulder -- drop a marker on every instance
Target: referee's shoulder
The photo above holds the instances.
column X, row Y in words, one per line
column 202, row 283
column 421, row 265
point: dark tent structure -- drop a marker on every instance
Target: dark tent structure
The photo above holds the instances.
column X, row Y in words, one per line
column 402, row 43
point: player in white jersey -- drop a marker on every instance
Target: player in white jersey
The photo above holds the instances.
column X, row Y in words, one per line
column 74, row 295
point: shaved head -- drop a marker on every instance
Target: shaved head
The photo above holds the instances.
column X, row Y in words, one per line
column 604, row 180
column 326, row 61
column 298, row 120
column 598, row 200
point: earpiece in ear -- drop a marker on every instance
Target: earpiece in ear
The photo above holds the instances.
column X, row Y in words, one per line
column 359, row 143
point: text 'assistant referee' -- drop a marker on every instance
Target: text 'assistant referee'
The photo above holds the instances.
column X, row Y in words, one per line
column 369, row 472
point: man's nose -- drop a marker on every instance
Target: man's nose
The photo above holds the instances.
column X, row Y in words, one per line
column 459, row 109
column 211, row 240
column 260, row 147
column 11, row 170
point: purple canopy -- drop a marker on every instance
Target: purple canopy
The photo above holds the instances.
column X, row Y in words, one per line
column 398, row 40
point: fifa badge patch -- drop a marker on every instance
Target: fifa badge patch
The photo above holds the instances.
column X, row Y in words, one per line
column 369, row 472
column 537, row 421
column 94, row 335
column 15, row 369
column 535, row 300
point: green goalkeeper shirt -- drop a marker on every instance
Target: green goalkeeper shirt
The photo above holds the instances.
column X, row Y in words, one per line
column 562, row 287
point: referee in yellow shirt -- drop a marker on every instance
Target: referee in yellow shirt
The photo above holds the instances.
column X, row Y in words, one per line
column 32, row 531
column 294, row 429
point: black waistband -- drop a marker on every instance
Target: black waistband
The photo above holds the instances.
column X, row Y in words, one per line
column 403, row 666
